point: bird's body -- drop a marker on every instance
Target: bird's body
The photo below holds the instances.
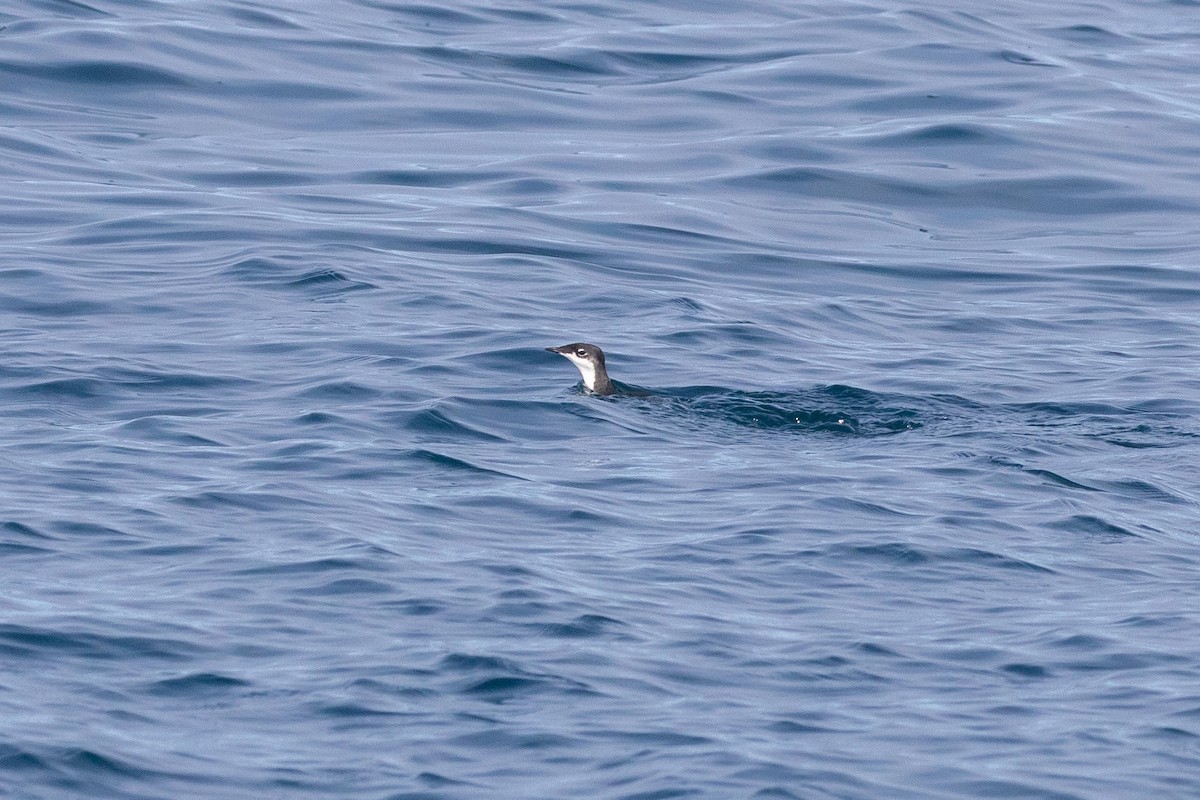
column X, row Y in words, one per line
column 589, row 359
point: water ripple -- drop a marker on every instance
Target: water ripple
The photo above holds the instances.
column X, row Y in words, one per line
column 295, row 505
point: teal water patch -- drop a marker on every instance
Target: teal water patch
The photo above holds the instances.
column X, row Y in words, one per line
column 832, row 409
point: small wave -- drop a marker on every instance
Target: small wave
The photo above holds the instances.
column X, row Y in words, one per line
column 440, row 423
column 109, row 74
column 77, row 388
column 275, row 274
column 34, row 642
column 1152, row 424
column 198, row 684
column 453, row 464
column 342, row 390
column 1093, row 527
column 318, row 566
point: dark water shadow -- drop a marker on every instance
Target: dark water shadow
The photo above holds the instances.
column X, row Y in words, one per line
column 833, row 409
column 848, row 410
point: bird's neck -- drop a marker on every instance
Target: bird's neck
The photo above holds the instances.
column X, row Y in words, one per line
column 599, row 383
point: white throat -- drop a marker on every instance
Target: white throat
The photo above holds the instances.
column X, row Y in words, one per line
column 587, row 369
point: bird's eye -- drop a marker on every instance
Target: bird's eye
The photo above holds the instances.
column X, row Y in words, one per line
column 581, row 352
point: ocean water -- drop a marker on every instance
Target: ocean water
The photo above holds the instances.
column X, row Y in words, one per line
column 293, row 503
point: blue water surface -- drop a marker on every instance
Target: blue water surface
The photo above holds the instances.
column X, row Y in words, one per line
column 293, row 504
